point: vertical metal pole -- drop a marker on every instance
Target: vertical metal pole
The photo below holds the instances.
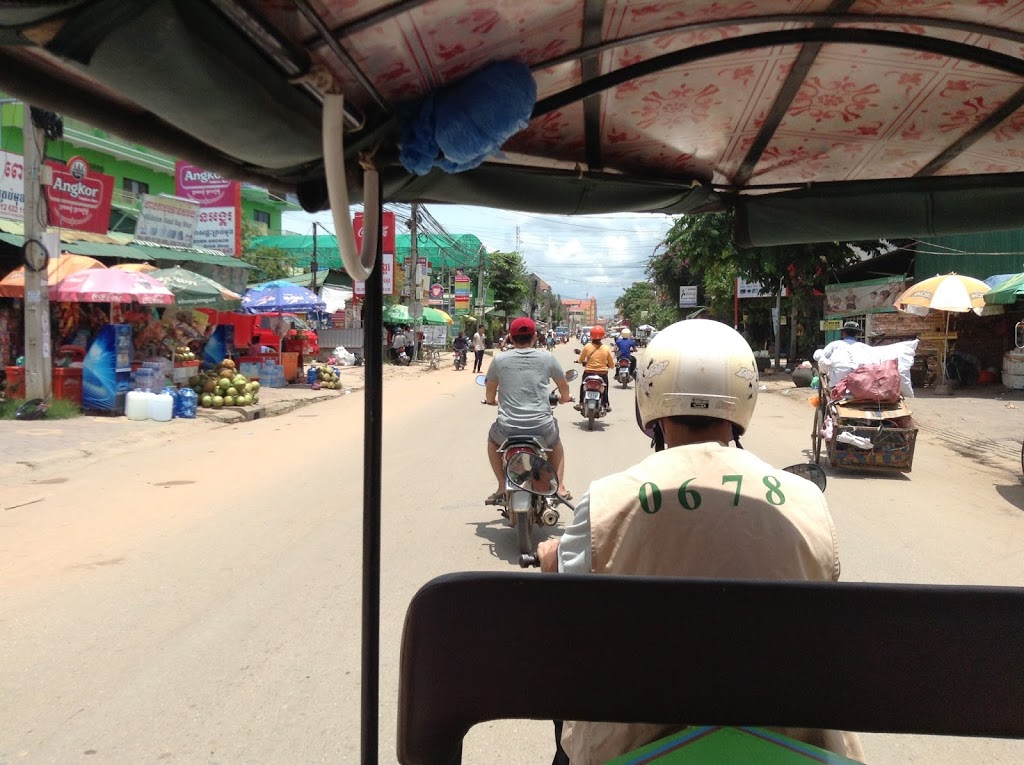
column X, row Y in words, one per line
column 38, row 364
column 314, row 262
column 778, row 325
column 480, row 287
column 372, row 464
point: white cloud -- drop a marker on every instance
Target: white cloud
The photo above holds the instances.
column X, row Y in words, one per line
column 579, row 256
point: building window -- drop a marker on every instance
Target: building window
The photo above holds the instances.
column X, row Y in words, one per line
column 135, row 187
column 261, row 216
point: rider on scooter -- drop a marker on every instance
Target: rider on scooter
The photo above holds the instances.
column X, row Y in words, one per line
column 625, row 346
column 461, row 345
column 597, row 360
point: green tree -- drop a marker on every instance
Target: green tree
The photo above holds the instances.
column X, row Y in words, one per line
column 640, row 304
column 506, row 274
column 702, row 250
column 270, row 262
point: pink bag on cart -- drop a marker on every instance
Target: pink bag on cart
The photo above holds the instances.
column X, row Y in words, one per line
column 878, row 383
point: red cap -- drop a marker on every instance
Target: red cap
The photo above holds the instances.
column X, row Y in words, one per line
column 522, row 327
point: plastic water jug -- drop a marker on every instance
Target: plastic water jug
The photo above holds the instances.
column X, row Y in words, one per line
column 161, row 407
column 136, row 405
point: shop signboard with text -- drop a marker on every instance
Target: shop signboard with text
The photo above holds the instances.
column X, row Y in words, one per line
column 387, row 264
column 167, row 220
column 219, row 226
column 745, row 289
column 12, row 186
column 78, row 198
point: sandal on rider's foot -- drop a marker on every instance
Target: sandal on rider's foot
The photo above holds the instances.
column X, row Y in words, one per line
column 498, row 498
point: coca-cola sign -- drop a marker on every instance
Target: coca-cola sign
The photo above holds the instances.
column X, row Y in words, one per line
column 78, row 198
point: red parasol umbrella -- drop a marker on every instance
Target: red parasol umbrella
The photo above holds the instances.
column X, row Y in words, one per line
column 110, row 285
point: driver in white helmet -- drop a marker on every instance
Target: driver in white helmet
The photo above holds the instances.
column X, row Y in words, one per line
column 697, row 507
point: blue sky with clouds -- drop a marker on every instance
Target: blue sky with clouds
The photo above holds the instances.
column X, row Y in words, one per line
column 579, row 256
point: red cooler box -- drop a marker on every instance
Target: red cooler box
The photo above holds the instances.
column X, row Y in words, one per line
column 16, row 383
column 67, row 384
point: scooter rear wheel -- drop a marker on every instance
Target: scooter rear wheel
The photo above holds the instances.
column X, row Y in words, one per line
column 590, row 419
column 523, row 532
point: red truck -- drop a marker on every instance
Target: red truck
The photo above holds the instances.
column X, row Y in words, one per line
column 263, row 330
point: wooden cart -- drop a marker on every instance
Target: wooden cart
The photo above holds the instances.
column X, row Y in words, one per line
column 888, row 427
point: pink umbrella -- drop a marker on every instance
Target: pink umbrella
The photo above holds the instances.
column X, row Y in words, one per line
column 110, row 285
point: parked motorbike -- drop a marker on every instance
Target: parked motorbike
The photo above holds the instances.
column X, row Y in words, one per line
column 622, row 373
column 523, row 457
column 460, row 358
column 531, row 481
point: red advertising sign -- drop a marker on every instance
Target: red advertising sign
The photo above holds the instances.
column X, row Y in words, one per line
column 387, row 266
column 79, row 199
column 220, row 200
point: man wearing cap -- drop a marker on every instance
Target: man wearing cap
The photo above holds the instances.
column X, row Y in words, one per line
column 842, row 356
column 517, row 383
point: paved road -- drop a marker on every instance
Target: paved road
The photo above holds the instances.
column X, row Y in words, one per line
column 198, row 600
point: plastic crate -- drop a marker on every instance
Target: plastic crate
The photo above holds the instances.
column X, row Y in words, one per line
column 184, row 370
column 892, row 449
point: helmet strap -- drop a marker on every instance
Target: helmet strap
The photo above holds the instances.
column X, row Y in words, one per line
column 736, row 435
column 658, row 442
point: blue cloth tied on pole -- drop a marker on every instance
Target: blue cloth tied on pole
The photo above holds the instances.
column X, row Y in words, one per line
column 458, row 126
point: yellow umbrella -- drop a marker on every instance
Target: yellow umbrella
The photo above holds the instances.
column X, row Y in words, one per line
column 951, row 293
column 144, row 268
column 13, row 285
column 445, row 315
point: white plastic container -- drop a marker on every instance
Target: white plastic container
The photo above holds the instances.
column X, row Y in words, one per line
column 136, row 405
column 161, row 407
column 1013, row 369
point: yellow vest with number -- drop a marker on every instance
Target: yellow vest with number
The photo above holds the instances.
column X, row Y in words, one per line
column 705, row 511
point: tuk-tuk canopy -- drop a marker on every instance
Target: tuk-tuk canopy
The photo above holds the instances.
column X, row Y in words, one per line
column 821, row 122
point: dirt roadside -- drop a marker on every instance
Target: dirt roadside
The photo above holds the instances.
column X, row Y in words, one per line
column 29, row 451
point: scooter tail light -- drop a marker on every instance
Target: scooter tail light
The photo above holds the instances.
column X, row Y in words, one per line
column 594, row 384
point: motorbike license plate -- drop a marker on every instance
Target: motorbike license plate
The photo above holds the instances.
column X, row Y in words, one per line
column 593, row 394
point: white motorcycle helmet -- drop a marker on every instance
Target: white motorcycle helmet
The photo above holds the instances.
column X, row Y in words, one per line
column 626, row 333
column 697, row 368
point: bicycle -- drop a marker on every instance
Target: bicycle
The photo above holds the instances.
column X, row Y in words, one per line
column 433, row 359
column 820, row 414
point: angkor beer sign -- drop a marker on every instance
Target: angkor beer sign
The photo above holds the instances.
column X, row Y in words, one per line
column 78, row 198
column 220, row 202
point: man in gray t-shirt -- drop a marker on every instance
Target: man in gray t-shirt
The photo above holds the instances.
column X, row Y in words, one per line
column 517, row 383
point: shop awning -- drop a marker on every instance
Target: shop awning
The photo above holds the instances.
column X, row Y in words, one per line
column 1008, row 292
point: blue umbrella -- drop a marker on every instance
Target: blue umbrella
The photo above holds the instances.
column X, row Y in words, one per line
column 281, row 295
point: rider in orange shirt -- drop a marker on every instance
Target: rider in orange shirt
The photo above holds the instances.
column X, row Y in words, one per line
column 597, row 360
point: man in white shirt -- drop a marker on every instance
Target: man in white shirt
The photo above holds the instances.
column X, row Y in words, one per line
column 479, row 343
column 842, row 356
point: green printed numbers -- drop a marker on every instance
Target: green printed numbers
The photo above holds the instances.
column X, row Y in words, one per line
column 650, row 498
column 774, row 495
column 689, row 498
column 738, row 480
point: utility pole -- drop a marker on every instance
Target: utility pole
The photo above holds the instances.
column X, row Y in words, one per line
column 411, row 265
column 480, row 286
column 38, row 364
column 314, row 263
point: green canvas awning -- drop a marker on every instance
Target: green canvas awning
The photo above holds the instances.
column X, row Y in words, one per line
column 456, row 251
column 1006, row 293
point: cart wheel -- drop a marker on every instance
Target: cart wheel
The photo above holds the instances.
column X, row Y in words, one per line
column 819, row 423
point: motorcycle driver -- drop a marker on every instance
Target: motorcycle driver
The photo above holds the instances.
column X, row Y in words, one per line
column 460, row 345
column 597, row 360
column 697, row 507
column 521, row 377
column 625, row 346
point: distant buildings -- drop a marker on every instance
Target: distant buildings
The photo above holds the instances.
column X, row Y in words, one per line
column 582, row 313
